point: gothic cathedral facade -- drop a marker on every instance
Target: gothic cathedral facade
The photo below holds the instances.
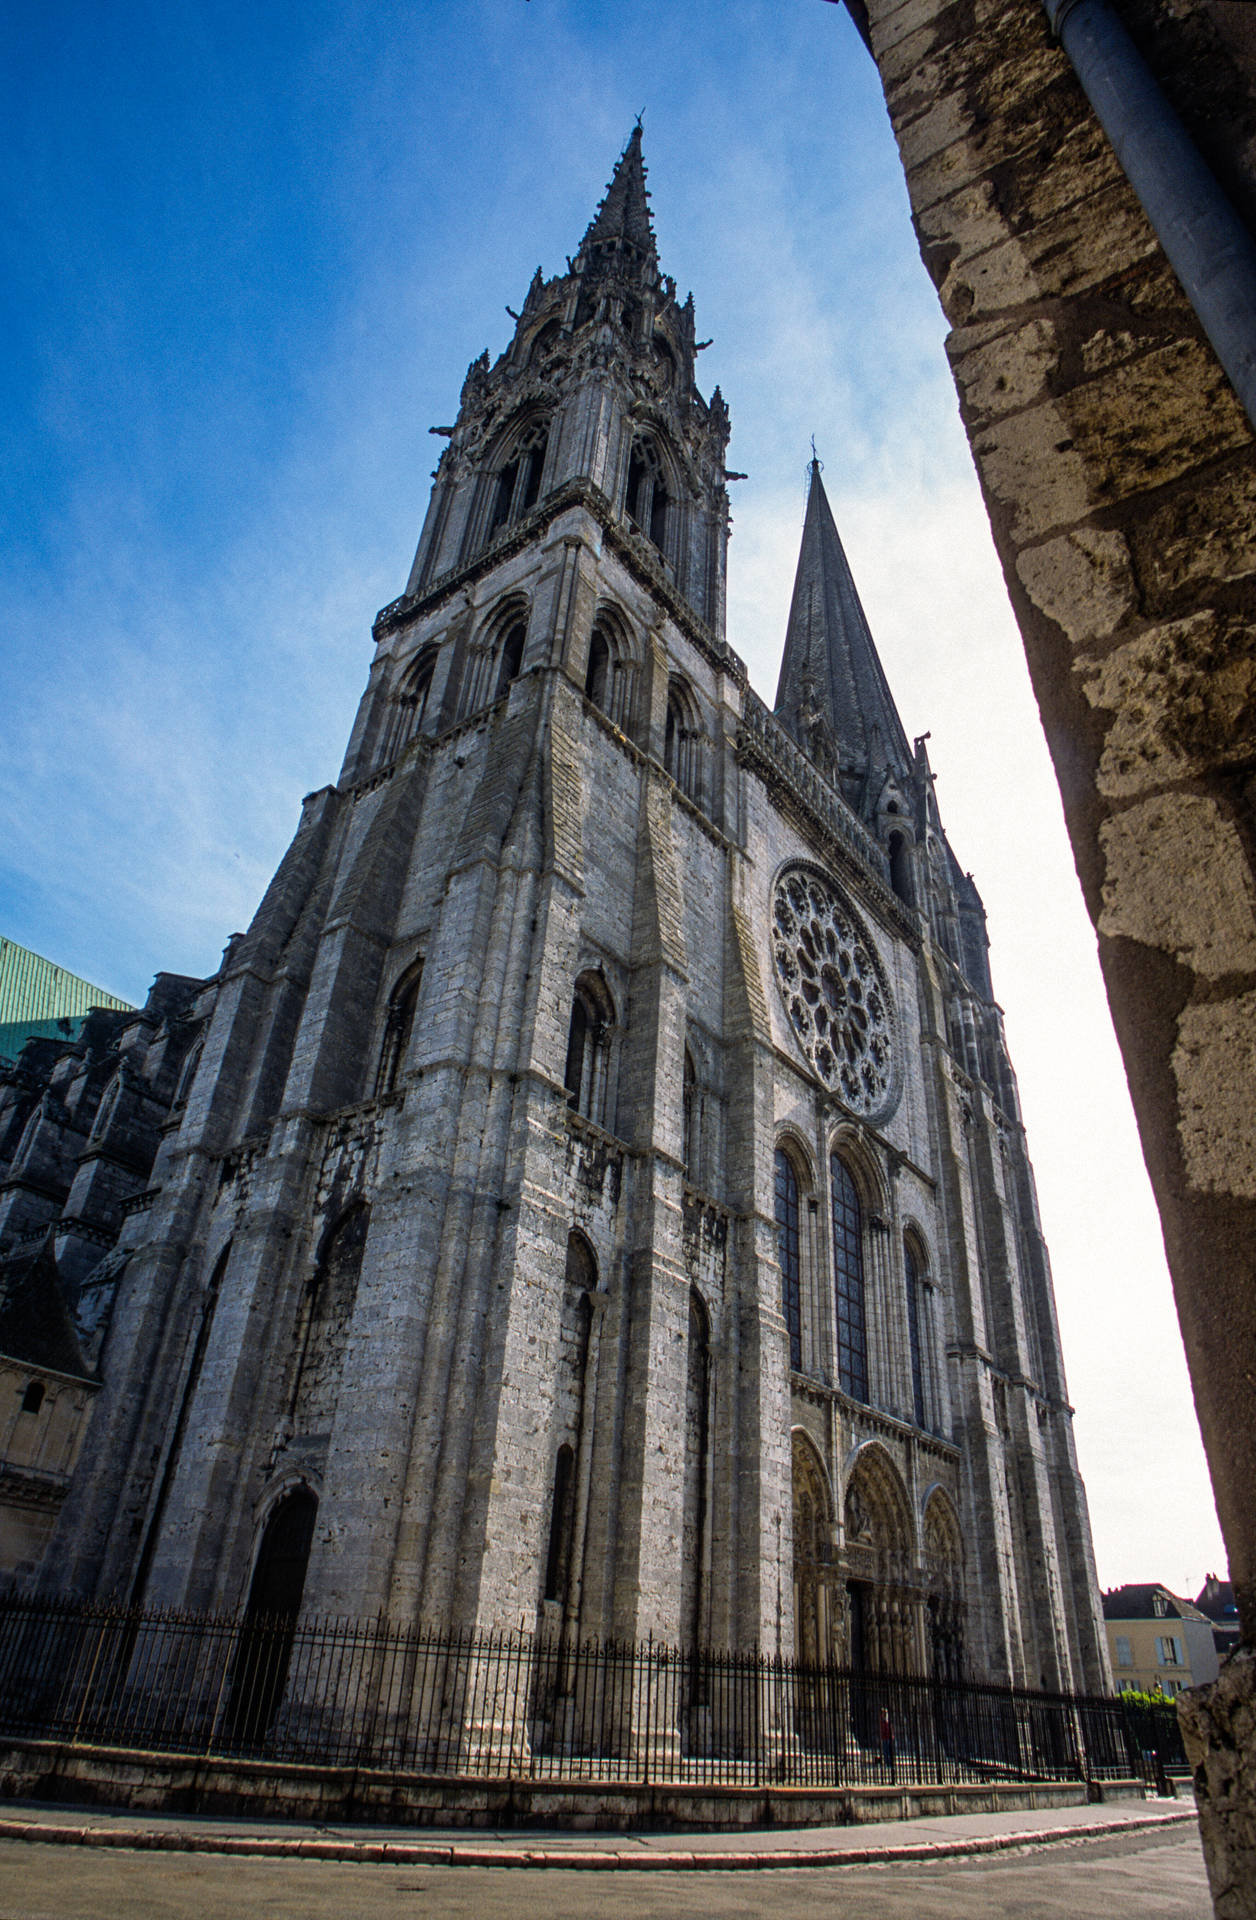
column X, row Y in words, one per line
column 597, row 1198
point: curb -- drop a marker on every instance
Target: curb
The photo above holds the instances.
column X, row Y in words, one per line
column 418, row 1852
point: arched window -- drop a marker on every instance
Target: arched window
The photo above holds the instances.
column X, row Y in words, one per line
column 561, row 1504
column 691, row 1121
column 608, row 676
column 848, row 1271
column 914, row 1335
column 597, row 678
column 579, row 1284
column 517, row 486
column 33, row 1398
column 187, row 1072
column 900, row 867
column 588, row 1047
column 398, row 1026
column 681, row 739
column 511, row 657
column 695, row 1503
column 789, row 1252
column 410, row 703
column 646, row 501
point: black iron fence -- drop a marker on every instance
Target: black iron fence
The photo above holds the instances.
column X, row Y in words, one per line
column 374, row 1693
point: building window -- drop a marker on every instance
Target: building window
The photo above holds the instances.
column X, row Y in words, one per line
column 647, row 499
column 900, row 867
column 410, row 703
column 588, row 1047
column 789, row 1253
column 1124, row 1658
column 597, row 680
column 511, row 658
column 914, row 1341
column 691, row 1122
column 398, row 1026
column 517, row 487
column 562, row 1503
column 33, row 1398
column 608, row 674
column 682, row 753
column 848, row 1270
column 1169, row 1650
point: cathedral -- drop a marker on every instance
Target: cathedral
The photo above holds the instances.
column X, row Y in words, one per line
column 592, row 1196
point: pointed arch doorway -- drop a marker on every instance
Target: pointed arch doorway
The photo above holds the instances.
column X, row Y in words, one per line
column 269, row 1626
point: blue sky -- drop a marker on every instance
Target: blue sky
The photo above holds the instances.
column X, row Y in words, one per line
column 247, row 255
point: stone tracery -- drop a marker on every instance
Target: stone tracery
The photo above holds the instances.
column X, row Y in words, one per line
column 835, row 990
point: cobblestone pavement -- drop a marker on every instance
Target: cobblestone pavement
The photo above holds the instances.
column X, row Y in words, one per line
column 1156, row 1875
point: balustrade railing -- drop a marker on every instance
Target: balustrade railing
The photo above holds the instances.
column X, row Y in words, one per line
column 763, row 737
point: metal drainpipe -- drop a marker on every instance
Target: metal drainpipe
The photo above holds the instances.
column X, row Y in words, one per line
column 1207, row 245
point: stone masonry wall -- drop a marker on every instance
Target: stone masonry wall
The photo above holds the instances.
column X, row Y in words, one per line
column 1120, row 476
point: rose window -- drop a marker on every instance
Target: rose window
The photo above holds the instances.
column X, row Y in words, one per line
column 835, row 990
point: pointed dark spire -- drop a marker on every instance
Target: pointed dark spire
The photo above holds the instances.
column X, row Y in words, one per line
column 833, row 695
column 624, row 213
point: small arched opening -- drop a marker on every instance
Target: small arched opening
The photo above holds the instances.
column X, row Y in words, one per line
column 410, row 703
column 398, row 1027
column 597, row 678
column 682, row 753
column 900, row 868
column 647, row 501
column 517, row 483
column 586, row 1073
column 511, row 656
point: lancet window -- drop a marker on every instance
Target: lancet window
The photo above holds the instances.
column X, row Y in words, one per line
column 574, row 1337
column 517, row 484
column 586, row 1075
column 697, row 1437
column 647, row 501
column 682, row 749
column 410, row 702
column 398, row 1026
column 691, row 1120
column 915, row 1335
column 608, row 674
column 510, row 658
column 789, row 1252
column 848, row 1274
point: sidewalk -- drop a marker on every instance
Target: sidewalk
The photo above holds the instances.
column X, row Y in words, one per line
column 922, row 1839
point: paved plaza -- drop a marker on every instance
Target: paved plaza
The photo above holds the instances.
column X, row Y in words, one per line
column 1145, row 1875
column 1135, row 1859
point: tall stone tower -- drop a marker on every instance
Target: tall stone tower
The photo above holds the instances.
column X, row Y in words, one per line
column 599, row 1200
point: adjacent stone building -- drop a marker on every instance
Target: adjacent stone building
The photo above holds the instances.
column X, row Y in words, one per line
column 600, row 1200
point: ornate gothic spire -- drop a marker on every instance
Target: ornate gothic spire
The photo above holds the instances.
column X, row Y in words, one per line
column 833, row 694
column 622, row 222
